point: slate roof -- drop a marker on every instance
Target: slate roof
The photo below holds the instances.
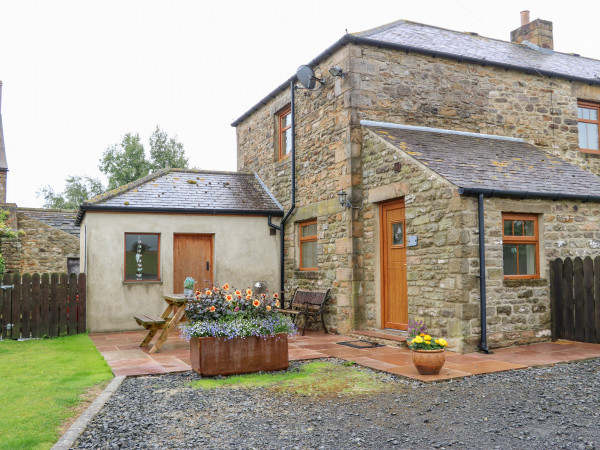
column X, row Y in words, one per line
column 471, row 162
column 471, row 45
column 461, row 46
column 189, row 191
column 63, row 219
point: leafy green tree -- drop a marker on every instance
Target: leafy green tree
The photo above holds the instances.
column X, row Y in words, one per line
column 77, row 190
column 126, row 162
column 122, row 163
column 166, row 152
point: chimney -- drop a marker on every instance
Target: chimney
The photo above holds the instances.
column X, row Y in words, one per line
column 538, row 32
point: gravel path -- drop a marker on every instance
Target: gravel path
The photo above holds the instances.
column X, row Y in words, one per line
column 552, row 407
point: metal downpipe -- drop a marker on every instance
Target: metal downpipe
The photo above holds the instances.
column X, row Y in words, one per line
column 482, row 296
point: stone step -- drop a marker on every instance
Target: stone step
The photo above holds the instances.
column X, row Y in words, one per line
column 390, row 338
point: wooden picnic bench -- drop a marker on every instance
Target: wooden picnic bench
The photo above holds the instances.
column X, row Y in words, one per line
column 175, row 305
column 308, row 304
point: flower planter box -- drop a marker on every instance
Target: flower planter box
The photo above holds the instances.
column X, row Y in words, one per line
column 429, row 362
column 213, row 356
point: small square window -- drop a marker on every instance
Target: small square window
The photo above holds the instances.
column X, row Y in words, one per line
column 142, row 256
column 588, row 116
column 284, row 132
column 308, row 245
column 520, row 246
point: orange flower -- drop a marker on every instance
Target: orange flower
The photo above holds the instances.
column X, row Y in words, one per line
column 208, row 292
column 268, row 308
column 256, row 303
column 238, row 293
column 248, row 297
column 239, row 297
column 248, row 291
column 229, row 298
column 212, row 308
column 275, row 295
column 226, row 287
column 277, row 303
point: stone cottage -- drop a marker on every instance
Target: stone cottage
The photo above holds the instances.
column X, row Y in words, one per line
column 424, row 156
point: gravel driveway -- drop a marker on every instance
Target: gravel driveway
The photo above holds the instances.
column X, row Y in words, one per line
column 551, row 407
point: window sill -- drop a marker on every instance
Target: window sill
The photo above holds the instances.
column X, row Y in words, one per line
column 306, row 274
column 531, row 282
column 589, row 152
column 143, row 282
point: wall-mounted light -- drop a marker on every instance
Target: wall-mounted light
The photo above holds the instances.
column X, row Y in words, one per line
column 344, row 202
column 336, row 71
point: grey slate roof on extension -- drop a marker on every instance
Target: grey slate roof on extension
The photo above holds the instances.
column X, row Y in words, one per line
column 188, row 191
column 475, row 163
column 63, row 219
column 492, row 50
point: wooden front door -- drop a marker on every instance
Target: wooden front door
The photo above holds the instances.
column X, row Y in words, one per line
column 394, row 304
column 192, row 257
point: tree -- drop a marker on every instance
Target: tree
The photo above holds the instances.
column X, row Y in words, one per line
column 166, row 152
column 122, row 163
column 77, row 190
column 126, row 162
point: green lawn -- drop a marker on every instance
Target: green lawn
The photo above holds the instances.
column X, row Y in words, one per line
column 40, row 383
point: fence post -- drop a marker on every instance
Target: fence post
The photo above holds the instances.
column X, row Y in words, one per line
column 35, row 306
column 16, row 307
column 567, row 295
column 5, row 307
column 44, row 327
column 53, row 306
column 62, row 298
column 588, row 299
column 72, row 304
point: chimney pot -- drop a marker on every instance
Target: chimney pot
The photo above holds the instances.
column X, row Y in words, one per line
column 524, row 17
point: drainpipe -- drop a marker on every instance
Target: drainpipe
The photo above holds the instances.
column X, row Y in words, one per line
column 483, row 344
column 281, row 226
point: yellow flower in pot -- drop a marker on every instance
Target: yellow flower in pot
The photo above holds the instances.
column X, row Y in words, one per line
column 428, row 354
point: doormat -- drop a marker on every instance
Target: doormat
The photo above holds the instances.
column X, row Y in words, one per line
column 361, row 344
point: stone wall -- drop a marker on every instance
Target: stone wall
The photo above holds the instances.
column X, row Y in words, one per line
column 324, row 158
column 399, row 87
column 411, row 89
column 41, row 249
column 519, row 310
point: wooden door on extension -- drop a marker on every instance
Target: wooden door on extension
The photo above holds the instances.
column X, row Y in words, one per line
column 192, row 257
column 394, row 304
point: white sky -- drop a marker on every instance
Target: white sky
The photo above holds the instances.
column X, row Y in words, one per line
column 80, row 74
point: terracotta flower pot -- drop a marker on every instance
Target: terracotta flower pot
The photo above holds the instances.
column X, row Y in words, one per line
column 428, row 362
column 220, row 356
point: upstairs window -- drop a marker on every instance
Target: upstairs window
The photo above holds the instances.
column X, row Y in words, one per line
column 589, row 126
column 142, row 256
column 520, row 245
column 285, row 132
column 308, row 245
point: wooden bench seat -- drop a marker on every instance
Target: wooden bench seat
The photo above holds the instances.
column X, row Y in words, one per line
column 308, row 304
column 152, row 324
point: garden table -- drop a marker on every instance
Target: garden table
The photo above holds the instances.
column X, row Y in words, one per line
column 173, row 314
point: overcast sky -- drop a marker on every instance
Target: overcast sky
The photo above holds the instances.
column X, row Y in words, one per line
column 80, row 74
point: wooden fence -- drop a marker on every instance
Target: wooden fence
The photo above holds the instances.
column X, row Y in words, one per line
column 575, row 287
column 34, row 306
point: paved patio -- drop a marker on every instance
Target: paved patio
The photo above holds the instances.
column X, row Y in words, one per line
column 125, row 357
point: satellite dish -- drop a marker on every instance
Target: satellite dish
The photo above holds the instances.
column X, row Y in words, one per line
column 306, row 77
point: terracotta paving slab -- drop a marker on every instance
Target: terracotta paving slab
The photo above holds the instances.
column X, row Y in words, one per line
column 122, row 352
